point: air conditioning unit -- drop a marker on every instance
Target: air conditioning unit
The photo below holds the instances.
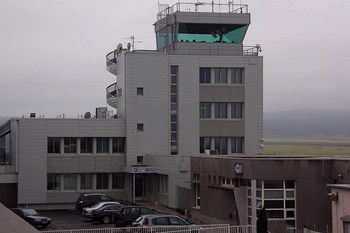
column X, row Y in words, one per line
column 101, row 113
column 214, row 152
column 211, row 152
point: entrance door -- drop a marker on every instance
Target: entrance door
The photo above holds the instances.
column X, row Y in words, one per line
column 139, row 187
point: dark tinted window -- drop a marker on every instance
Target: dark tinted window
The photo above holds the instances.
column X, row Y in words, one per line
column 145, row 211
column 160, row 221
column 177, row 221
column 106, row 198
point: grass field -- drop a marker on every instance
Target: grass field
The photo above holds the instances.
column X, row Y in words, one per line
column 307, row 146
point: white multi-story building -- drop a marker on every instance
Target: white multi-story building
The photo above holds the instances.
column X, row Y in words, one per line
column 198, row 93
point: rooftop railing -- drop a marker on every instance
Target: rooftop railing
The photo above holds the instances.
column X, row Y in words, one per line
column 111, row 62
column 252, row 50
column 230, row 7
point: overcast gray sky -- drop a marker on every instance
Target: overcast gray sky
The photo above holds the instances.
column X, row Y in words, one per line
column 52, row 53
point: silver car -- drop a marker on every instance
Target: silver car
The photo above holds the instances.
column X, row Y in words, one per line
column 162, row 220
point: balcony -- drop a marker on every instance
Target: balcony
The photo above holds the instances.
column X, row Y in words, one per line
column 252, row 50
column 111, row 62
column 112, row 95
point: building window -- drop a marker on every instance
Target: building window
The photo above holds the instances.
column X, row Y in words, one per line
column 120, row 92
column 221, row 145
column 204, row 75
column 70, row 145
column 117, row 181
column 220, row 75
column 53, row 145
column 53, row 182
column 69, row 181
column 118, row 145
column 237, row 145
column 140, row 91
column 85, row 181
column 139, row 127
column 237, row 110
column 85, row 145
column 204, row 144
column 277, row 199
column 220, row 110
column 204, row 110
column 198, row 196
column 102, row 145
column 162, row 183
column 174, row 71
column 102, row 180
column 5, row 149
column 237, row 75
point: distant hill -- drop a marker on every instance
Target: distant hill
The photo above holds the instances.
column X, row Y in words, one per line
column 307, row 123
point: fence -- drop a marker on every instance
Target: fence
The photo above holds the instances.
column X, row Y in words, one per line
column 214, row 228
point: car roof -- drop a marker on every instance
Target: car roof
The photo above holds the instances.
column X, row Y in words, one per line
column 160, row 215
column 93, row 194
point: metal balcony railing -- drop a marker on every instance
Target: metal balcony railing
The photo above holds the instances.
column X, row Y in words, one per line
column 112, row 95
column 252, row 50
column 230, row 7
column 111, row 62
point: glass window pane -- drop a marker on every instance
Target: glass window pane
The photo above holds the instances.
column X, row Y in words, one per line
column 237, row 75
column 237, row 110
column 205, row 111
column 69, row 182
column 85, row 145
column 117, row 181
column 204, row 75
column 273, row 204
column 118, row 145
column 53, row 182
column 275, row 213
column 102, row 181
column 85, row 181
column 273, row 184
column 290, row 194
column 273, row 194
column 289, row 184
column 102, row 145
column 290, row 204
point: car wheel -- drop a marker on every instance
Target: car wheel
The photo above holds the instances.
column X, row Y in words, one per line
column 106, row 219
column 44, row 226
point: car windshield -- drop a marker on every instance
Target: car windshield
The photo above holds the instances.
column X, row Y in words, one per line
column 29, row 212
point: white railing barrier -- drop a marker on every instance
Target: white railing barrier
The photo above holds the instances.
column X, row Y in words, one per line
column 213, row 228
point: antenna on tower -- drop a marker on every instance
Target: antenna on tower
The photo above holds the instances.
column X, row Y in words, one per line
column 133, row 41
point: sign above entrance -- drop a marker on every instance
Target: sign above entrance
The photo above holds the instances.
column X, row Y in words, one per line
column 140, row 170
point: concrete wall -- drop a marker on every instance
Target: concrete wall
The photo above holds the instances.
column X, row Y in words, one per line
column 340, row 207
column 311, row 177
column 178, row 170
column 34, row 163
column 150, row 71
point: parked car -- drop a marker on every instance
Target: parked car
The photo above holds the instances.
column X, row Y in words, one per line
column 105, row 213
column 127, row 214
column 88, row 210
column 155, row 220
column 89, row 199
column 32, row 217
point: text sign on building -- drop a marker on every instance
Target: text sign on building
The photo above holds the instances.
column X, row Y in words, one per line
column 238, row 168
column 143, row 170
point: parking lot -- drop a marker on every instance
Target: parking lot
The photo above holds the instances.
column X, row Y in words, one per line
column 69, row 219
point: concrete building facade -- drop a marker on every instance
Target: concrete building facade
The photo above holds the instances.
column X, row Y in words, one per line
column 199, row 92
